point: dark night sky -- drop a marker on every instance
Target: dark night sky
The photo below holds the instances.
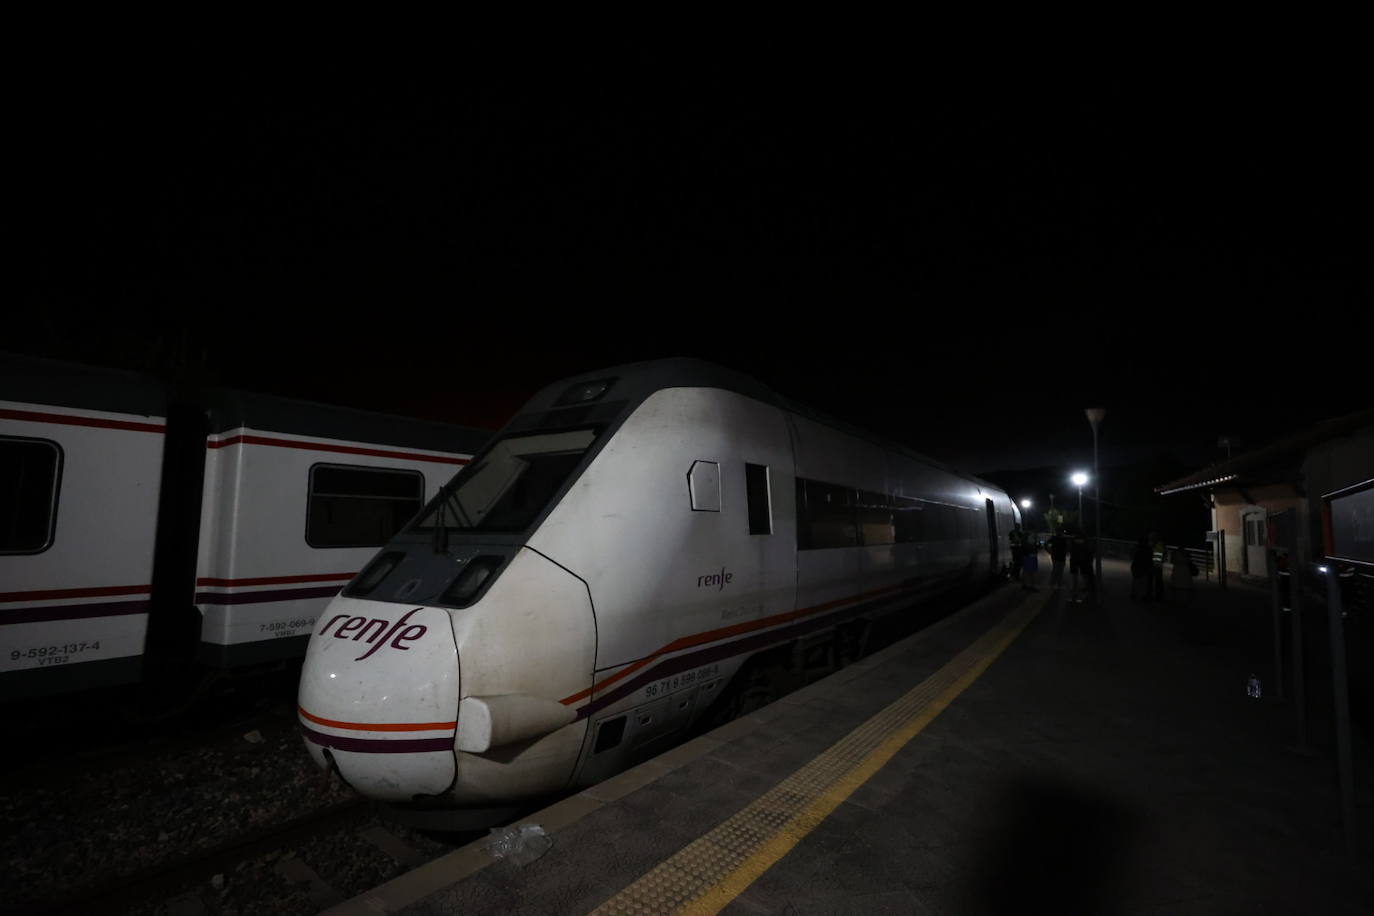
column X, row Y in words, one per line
column 959, row 259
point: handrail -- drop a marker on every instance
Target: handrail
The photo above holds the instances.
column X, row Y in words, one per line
column 1203, row 557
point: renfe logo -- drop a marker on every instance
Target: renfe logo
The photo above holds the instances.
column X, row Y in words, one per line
column 721, row 579
column 364, row 626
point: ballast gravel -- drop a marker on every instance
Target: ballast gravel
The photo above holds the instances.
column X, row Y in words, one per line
column 85, row 828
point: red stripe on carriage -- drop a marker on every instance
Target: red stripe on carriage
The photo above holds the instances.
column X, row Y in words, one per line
column 275, row 580
column 688, row 642
column 276, row 594
column 69, row 420
column 380, row 726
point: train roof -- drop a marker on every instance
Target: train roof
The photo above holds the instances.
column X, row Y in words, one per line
column 634, row 382
column 232, row 408
column 37, row 380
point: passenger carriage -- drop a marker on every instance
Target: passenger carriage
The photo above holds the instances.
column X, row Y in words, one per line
column 140, row 530
column 586, row 589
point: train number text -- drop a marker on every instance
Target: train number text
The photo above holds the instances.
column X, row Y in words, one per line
column 286, row 627
column 679, row 681
column 54, row 655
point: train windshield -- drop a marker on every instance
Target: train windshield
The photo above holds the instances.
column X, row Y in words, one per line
column 508, row 488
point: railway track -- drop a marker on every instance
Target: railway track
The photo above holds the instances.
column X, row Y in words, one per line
column 96, row 828
column 231, row 818
column 154, row 882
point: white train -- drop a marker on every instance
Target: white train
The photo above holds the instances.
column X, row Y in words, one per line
column 140, row 530
column 634, row 544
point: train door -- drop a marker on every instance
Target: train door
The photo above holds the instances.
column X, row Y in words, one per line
column 995, row 562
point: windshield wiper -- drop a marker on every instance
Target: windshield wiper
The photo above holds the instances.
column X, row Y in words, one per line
column 440, row 543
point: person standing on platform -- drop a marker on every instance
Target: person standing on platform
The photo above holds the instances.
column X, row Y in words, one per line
column 1080, row 564
column 1059, row 551
column 1030, row 564
column 1181, row 579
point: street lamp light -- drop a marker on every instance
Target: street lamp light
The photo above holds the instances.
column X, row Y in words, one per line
column 1095, row 415
column 1079, row 478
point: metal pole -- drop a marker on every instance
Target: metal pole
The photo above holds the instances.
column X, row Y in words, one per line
column 1273, row 568
column 1295, row 602
column 1097, row 513
column 1271, row 563
column 1339, row 687
column 1221, row 557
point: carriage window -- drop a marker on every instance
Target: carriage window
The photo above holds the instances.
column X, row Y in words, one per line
column 908, row 520
column 875, row 517
column 360, row 507
column 947, row 523
column 760, row 511
column 831, row 516
column 29, row 473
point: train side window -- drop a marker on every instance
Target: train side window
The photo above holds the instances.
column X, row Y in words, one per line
column 703, row 483
column 949, row 523
column 966, row 530
column 30, row 474
column 760, row 506
column 908, row 520
column 875, row 519
column 360, row 507
column 832, row 514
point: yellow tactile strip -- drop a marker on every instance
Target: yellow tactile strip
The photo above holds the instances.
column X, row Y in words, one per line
column 704, row 876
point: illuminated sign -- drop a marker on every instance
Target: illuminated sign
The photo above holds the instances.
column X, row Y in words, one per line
column 1348, row 524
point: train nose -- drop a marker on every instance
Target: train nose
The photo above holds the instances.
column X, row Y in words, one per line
column 379, row 696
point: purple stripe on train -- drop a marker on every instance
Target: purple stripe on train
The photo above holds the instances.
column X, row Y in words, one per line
column 73, row 611
column 277, row 594
column 379, row 745
column 718, row 651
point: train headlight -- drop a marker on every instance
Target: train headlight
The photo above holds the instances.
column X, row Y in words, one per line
column 373, row 575
column 470, row 582
column 584, row 392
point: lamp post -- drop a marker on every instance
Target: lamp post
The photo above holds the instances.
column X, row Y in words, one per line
column 1095, row 415
column 1026, row 504
column 1079, row 478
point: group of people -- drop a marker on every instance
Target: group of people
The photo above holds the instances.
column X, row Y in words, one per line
column 1072, row 545
column 1069, row 544
column 1147, row 570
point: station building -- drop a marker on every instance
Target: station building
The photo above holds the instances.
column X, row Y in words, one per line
column 1256, row 496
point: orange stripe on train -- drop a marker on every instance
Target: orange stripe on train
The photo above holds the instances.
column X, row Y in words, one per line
column 380, row 726
column 687, row 642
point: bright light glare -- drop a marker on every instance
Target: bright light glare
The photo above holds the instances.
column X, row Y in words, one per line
column 1321, row 569
column 1025, row 504
column 1079, row 478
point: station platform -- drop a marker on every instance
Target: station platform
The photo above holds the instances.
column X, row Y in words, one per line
column 1024, row 754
